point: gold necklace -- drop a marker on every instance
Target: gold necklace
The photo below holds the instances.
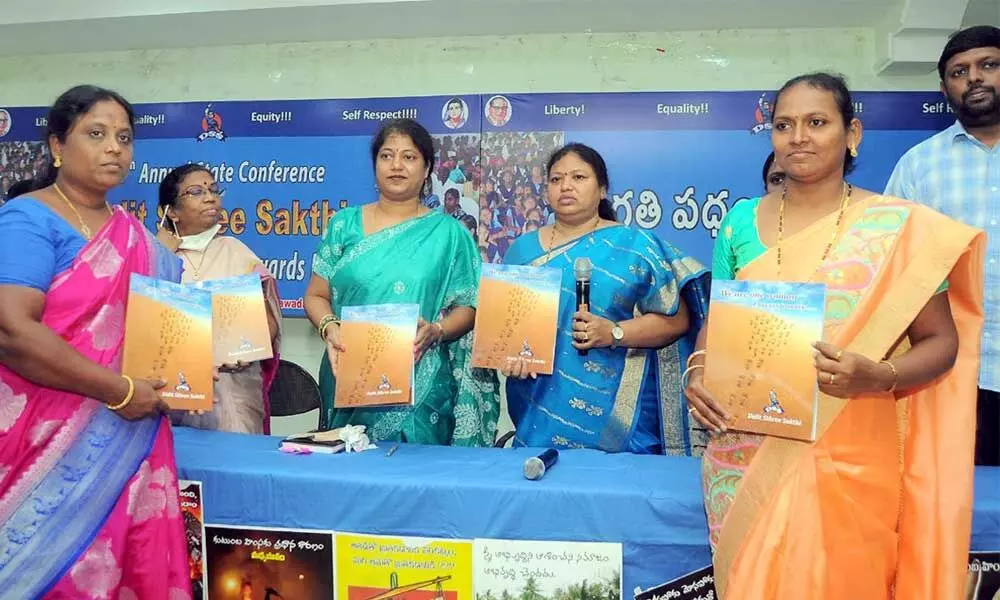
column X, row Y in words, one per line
column 552, row 236
column 84, row 229
column 196, row 269
column 844, row 201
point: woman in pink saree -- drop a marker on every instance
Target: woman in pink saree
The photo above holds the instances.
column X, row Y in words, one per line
column 88, row 485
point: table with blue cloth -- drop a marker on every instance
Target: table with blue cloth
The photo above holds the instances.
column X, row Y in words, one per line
column 652, row 505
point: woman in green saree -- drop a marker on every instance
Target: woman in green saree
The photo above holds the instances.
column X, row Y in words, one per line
column 396, row 251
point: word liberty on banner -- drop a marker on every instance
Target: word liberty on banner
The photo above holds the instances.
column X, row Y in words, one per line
column 678, row 160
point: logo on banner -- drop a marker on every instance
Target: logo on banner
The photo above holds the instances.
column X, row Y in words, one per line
column 5, row 122
column 455, row 113
column 211, row 125
column 763, row 115
column 498, row 111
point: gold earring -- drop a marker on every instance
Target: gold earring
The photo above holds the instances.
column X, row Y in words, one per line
column 57, row 161
column 854, row 152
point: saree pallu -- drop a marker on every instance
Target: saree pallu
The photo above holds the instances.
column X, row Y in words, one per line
column 431, row 261
column 242, row 399
column 614, row 399
column 88, row 500
column 880, row 506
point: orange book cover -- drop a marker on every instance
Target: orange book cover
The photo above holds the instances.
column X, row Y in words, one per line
column 239, row 319
column 517, row 317
column 376, row 368
column 759, row 365
column 168, row 335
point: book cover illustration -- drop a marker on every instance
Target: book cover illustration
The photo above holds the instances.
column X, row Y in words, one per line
column 253, row 562
column 518, row 316
column 377, row 367
column 168, row 335
column 193, row 512
column 239, row 319
column 547, row 570
column 373, row 567
column 759, row 365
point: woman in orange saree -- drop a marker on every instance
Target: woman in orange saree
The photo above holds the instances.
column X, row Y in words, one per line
column 880, row 505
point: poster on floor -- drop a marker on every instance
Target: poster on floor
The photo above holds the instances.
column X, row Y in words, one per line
column 696, row 585
column 983, row 582
column 371, row 567
column 251, row 562
column 543, row 570
column 678, row 161
column 193, row 512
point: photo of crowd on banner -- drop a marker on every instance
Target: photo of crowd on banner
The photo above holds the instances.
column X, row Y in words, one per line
column 494, row 184
column 512, row 198
column 19, row 162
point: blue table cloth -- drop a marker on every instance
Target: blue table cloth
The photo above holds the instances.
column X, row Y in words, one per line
column 650, row 504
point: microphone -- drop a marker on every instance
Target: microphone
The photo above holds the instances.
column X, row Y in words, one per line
column 582, row 268
column 536, row 466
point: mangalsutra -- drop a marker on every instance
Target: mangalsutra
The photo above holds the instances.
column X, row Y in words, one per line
column 844, row 201
column 552, row 236
column 84, row 228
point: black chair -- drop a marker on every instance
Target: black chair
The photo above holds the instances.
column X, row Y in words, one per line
column 294, row 392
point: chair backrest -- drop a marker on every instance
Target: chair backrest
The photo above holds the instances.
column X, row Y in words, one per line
column 294, row 391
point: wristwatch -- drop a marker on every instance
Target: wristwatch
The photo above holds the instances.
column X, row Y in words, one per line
column 617, row 335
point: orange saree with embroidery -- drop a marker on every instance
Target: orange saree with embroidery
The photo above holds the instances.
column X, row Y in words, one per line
column 880, row 506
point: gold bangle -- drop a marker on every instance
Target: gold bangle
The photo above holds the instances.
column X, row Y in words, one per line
column 128, row 397
column 895, row 376
column 324, row 323
column 684, row 377
column 693, row 355
column 322, row 331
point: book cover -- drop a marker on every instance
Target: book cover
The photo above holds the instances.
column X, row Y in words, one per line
column 517, row 317
column 546, row 569
column 377, row 367
column 239, row 319
column 193, row 511
column 759, row 365
column 168, row 335
column 257, row 562
column 371, row 567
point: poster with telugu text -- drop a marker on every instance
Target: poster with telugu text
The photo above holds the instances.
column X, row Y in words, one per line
column 512, row 569
column 696, row 585
column 373, row 567
column 250, row 562
column 678, row 161
column 193, row 511
column 983, row 581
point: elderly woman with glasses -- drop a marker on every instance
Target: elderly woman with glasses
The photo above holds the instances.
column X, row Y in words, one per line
column 192, row 203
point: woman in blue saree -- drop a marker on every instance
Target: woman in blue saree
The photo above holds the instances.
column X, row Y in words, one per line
column 647, row 303
column 397, row 251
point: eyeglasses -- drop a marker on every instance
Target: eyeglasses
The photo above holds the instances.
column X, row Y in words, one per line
column 196, row 191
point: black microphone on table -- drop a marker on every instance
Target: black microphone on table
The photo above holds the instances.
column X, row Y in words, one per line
column 582, row 268
column 536, row 466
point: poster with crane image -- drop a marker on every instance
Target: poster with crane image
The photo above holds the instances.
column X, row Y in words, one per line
column 371, row 567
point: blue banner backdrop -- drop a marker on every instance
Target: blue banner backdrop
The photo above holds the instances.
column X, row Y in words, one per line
column 677, row 161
